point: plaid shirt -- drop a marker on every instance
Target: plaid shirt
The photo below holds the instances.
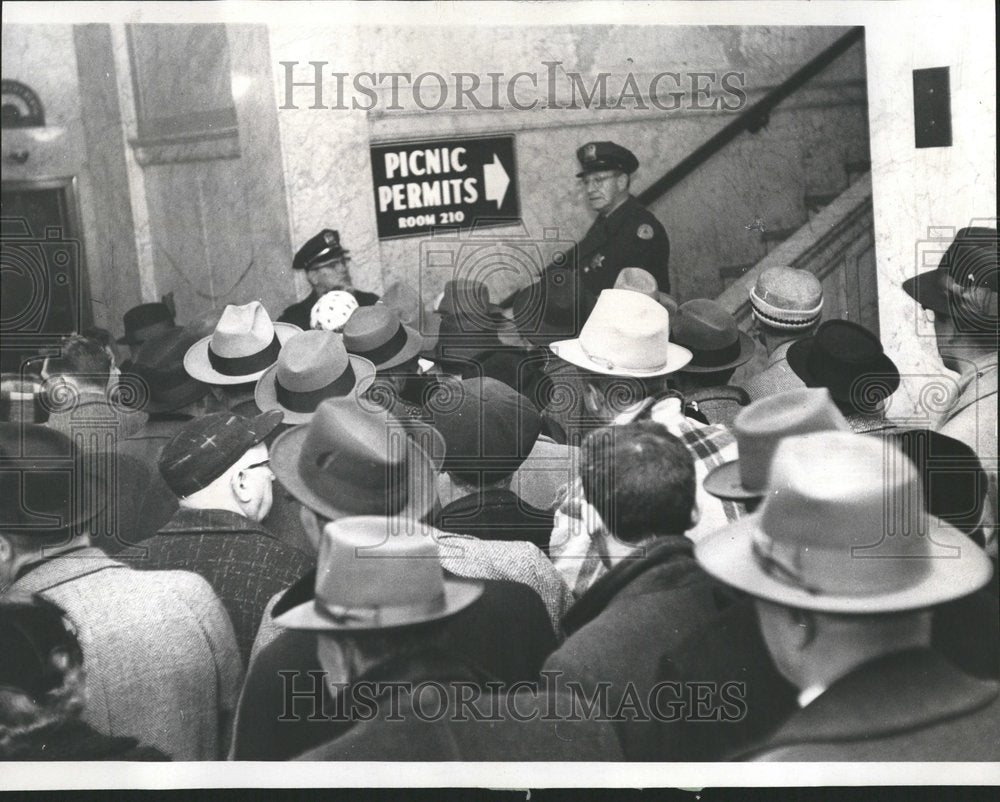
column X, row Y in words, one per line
column 572, row 549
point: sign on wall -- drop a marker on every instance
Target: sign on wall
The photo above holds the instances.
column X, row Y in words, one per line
column 466, row 182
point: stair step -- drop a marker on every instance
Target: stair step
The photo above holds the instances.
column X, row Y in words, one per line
column 817, row 200
column 734, row 271
column 778, row 234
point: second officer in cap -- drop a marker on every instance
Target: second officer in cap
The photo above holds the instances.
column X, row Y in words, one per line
column 625, row 233
column 326, row 263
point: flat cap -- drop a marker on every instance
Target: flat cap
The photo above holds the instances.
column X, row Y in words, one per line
column 206, row 447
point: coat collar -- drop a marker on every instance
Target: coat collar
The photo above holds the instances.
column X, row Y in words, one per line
column 480, row 504
column 215, row 522
column 890, row 695
column 64, row 568
column 599, row 595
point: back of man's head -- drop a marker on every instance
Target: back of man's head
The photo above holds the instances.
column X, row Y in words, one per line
column 640, row 479
column 82, row 359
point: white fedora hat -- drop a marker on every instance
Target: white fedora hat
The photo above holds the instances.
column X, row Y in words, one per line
column 627, row 334
column 244, row 344
column 844, row 530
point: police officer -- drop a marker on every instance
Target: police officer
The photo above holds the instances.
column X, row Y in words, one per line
column 326, row 262
column 625, row 233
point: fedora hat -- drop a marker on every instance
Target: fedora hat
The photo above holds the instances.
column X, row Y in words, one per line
column 787, row 299
column 45, row 486
column 710, row 333
column 353, row 458
column 369, row 578
column 970, row 262
column 552, row 308
column 159, row 362
column 627, row 334
column 849, row 361
column 312, row 366
column 145, row 320
column 244, row 344
column 376, row 333
column 760, row 427
column 815, row 542
column 332, row 311
column 469, row 299
column 639, row 280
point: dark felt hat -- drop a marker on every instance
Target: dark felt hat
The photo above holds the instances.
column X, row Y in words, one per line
column 487, row 426
column 206, row 447
column 145, row 320
column 160, row 364
column 353, row 458
column 376, row 333
column 312, row 366
column 41, row 473
column 597, row 156
column 553, row 308
column 849, row 361
column 710, row 333
column 969, row 262
column 322, row 248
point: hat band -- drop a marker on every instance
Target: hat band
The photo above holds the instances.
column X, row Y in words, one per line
column 714, row 357
column 608, row 364
column 382, row 616
column 245, row 365
column 388, row 349
column 307, row 401
column 145, row 332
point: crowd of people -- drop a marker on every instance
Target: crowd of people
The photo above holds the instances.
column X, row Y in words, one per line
column 554, row 528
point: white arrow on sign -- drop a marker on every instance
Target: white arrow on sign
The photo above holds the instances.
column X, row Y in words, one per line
column 496, row 180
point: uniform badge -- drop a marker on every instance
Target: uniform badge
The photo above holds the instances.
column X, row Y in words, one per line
column 590, row 152
column 597, row 261
column 645, row 231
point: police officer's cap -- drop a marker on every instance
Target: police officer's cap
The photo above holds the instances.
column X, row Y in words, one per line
column 324, row 247
column 596, row 156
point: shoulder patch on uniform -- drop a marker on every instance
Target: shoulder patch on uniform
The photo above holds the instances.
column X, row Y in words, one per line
column 645, row 231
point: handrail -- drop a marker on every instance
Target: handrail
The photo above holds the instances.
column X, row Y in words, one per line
column 752, row 119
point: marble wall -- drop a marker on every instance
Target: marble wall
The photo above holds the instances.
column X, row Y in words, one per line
column 325, row 151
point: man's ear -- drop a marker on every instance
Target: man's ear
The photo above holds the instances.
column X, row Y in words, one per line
column 238, row 484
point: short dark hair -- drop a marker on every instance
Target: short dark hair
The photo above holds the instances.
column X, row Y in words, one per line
column 640, row 479
column 82, row 357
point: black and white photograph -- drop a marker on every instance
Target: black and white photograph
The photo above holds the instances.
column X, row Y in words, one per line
column 498, row 395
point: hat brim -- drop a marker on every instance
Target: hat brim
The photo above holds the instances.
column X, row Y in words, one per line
column 421, row 491
column 198, row 367
column 883, row 372
column 747, row 347
column 265, row 394
column 458, row 594
column 413, row 347
column 196, row 390
column 571, row 351
column 728, row 556
column 724, row 482
column 926, row 289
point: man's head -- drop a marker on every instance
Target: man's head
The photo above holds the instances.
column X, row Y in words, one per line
column 325, row 262
column 220, row 462
column 47, row 497
column 960, row 297
column 786, row 305
column 836, row 589
column 605, row 173
column 82, row 363
column 639, row 480
column 488, row 428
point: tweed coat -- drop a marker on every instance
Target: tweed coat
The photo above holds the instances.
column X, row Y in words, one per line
column 161, row 659
column 911, row 705
column 243, row 562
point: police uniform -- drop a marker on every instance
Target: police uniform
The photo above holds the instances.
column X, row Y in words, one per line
column 630, row 236
column 324, row 247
